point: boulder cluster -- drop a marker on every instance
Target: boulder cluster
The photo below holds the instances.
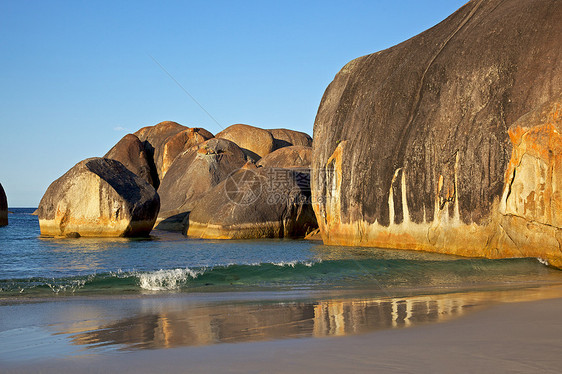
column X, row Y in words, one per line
column 448, row 142
column 245, row 182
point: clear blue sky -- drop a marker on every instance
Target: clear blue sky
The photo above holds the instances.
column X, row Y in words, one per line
column 76, row 76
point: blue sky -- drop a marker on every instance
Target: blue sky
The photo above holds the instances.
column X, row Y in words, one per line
column 76, row 76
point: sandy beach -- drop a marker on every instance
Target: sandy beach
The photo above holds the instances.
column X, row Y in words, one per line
column 518, row 336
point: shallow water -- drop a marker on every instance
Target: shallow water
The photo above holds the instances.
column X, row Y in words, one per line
column 85, row 326
column 31, row 266
column 71, row 296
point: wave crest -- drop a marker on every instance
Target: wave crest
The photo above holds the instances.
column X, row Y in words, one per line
column 163, row 280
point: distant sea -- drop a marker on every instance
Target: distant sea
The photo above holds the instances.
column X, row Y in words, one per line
column 54, row 285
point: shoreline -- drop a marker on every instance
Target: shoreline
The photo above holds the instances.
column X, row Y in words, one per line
column 281, row 294
column 522, row 337
column 108, row 335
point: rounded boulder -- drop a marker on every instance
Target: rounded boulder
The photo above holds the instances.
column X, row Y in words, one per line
column 131, row 153
column 255, row 142
column 287, row 138
column 98, row 197
column 255, row 203
column 288, row 157
column 154, row 138
column 179, row 143
column 414, row 146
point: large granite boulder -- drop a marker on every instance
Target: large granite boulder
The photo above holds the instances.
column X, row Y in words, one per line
column 412, row 144
column 192, row 175
column 3, row 207
column 286, row 138
column 255, row 142
column 131, row 153
column 288, row 157
column 98, row 197
column 255, row 203
column 154, row 138
column 179, row 143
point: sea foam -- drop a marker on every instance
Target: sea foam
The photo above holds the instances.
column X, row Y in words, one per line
column 543, row 261
column 161, row 280
column 293, row 263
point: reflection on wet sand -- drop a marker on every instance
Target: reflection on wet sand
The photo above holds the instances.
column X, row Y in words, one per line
column 161, row 326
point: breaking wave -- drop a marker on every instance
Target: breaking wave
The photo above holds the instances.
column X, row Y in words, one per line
column 381, row 274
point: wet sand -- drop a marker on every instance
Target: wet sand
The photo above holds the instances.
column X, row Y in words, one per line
column 512, row 336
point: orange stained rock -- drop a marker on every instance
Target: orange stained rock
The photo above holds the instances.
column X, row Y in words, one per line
column 335, row 164
column 538, row 198
column 526, row 223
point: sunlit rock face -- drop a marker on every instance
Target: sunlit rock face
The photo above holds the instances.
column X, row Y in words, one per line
column 179, row 143
column 286, row 138
column 98, row 197
column 255, row 142
column 531, row 204
column 150, row 151
column 426, row 145
column 154, row 138
column 192, row 175
column 165, row 141
column 296, row 156
column 3, row 207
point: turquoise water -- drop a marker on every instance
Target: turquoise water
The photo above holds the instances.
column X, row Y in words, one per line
column 31, row 266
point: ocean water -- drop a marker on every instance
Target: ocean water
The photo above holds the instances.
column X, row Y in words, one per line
column 32, row 266
column 73, row 297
